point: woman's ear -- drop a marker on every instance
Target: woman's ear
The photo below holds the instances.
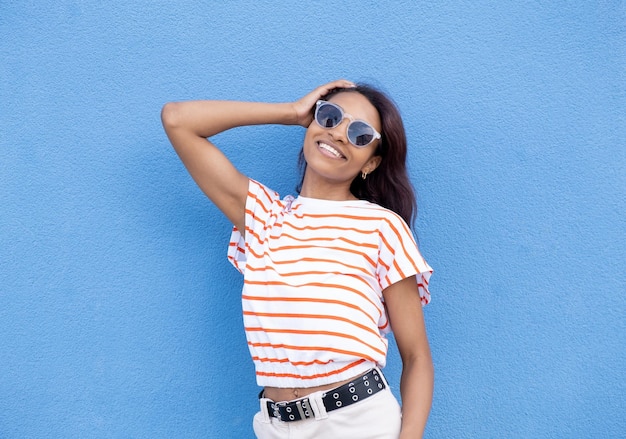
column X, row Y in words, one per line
column 371, row 164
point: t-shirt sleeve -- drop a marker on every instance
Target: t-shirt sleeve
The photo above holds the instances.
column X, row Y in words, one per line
column 399, row 258
column 258, row 212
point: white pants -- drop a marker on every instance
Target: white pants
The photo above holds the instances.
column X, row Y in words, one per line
column 376, row 417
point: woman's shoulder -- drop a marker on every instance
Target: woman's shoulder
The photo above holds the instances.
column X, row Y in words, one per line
column 384, row 218
column 384, row 213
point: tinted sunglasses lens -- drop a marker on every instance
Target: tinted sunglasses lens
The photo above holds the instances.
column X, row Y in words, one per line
column 360, row 133
column 328, row 116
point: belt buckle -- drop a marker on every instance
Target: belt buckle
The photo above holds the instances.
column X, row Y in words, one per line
column 276, row 406
column 293, row 411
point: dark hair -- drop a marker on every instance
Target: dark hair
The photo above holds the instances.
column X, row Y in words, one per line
column 388, row 185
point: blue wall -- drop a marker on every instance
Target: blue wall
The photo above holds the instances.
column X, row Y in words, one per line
column 119, row 313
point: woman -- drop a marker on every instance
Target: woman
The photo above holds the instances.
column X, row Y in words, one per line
column 326, row 274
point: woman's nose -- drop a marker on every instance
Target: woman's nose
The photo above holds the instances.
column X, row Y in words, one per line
column 340, row 131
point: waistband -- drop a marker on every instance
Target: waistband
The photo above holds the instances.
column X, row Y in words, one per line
column 358, row 389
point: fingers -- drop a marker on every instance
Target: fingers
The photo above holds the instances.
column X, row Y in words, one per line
column 323, row 90
column 339, row 83
column 304, row 106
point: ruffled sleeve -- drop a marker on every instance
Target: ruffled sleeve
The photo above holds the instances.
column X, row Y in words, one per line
column 399, row 257
column 257, row 215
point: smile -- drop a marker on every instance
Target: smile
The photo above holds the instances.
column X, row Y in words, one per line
column 330, row 150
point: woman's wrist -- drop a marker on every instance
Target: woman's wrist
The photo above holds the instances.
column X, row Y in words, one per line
column 291, row 116
column 411, row 433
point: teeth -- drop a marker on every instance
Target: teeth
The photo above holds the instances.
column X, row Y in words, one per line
column 330, row 149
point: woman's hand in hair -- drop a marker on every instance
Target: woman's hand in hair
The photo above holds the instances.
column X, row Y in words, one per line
column 303, row 107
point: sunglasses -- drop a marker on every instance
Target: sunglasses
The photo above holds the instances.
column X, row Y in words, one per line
column 360, row 133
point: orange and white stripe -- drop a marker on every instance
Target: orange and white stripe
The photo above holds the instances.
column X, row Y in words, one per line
column 314, row 271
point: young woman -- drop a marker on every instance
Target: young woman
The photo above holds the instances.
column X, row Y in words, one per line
column 326, row 274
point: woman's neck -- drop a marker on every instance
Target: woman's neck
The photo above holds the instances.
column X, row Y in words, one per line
column 316, row 186
column 328, row 191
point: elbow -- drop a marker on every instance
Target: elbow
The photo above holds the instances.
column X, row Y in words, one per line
column 421, row 359
column 170, row 116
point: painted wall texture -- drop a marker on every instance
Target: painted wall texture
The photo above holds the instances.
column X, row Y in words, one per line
column 119, row 313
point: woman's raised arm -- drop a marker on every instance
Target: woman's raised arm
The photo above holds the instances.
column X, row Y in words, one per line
column 189, row 124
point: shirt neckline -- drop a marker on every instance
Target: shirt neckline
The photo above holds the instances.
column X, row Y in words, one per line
column 323, row 200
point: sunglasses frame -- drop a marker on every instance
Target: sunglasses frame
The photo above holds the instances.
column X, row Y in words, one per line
column 345, row 115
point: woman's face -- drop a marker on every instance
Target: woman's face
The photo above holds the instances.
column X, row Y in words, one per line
column 329, row 154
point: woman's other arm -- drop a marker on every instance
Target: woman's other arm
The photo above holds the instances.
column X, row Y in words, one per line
column 416, row 385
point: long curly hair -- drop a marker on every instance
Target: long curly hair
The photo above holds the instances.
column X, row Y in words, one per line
column 388, row 185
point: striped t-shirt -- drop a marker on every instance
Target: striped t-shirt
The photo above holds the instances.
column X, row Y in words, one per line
column 314, row 271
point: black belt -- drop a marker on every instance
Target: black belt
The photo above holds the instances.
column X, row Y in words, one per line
column 364, row 386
